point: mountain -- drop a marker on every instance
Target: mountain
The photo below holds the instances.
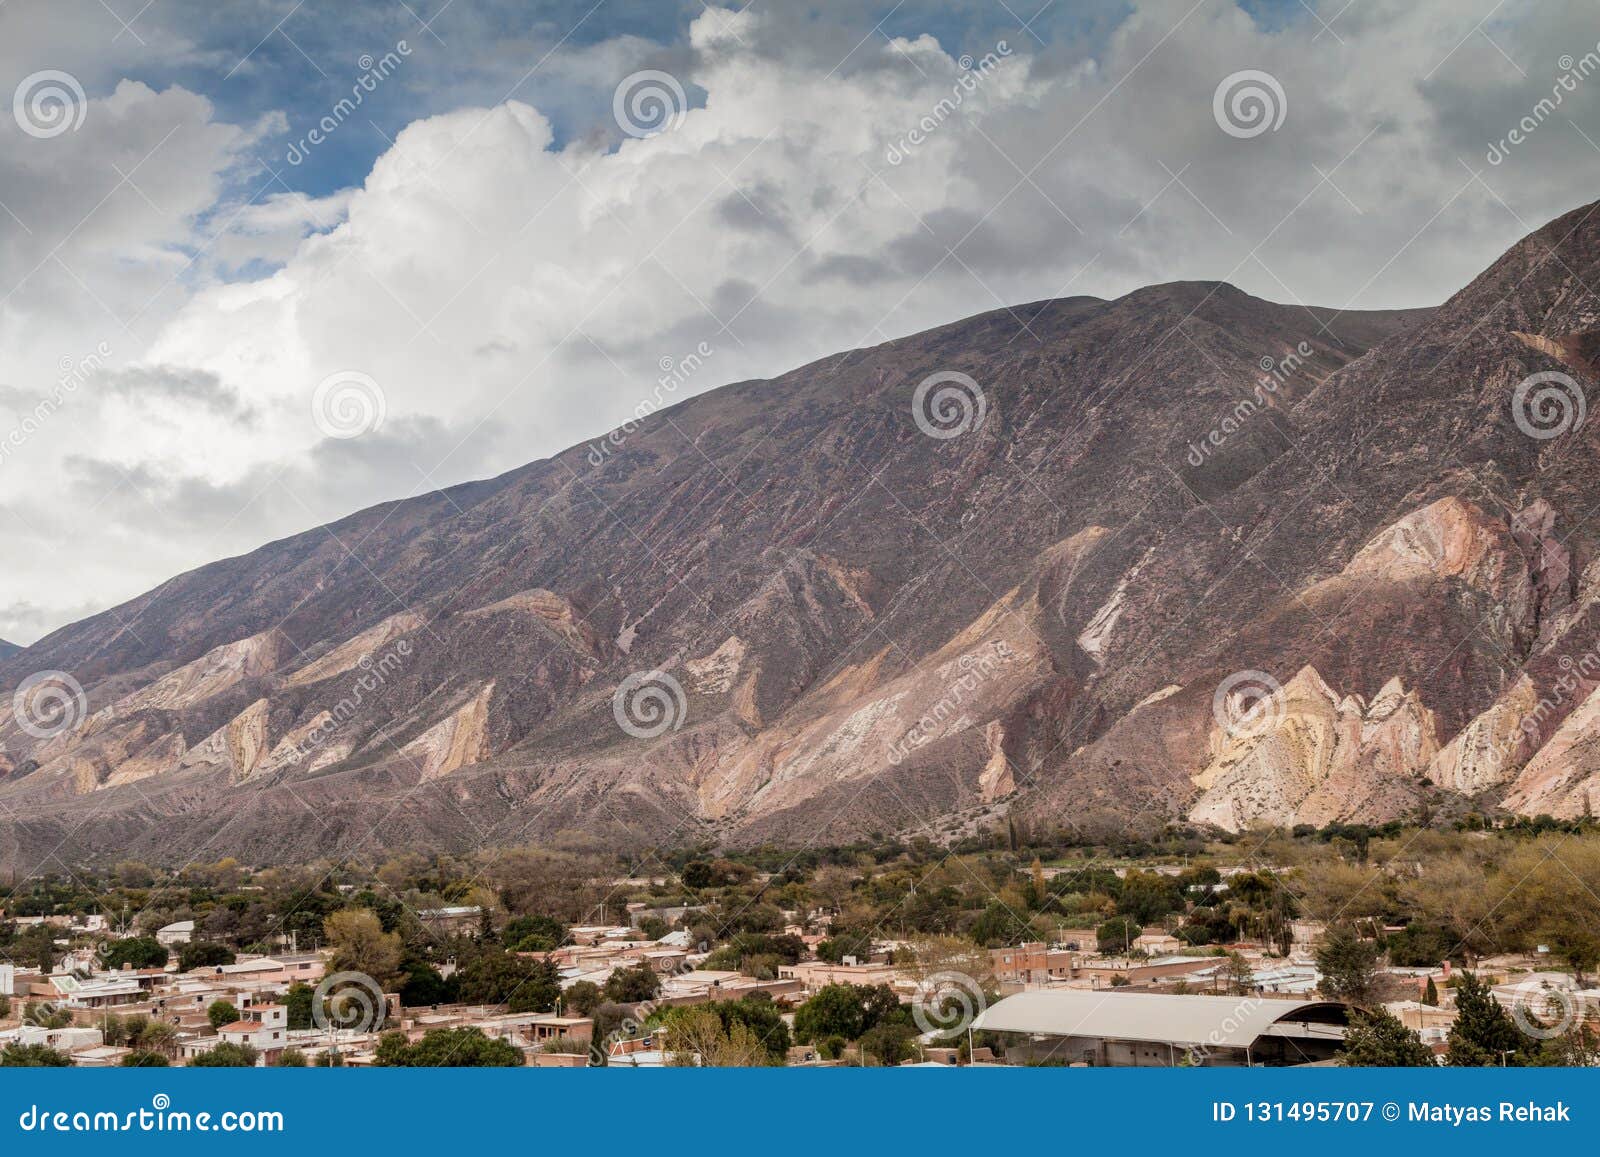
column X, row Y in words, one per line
column 1092, row 563
column 7, row 649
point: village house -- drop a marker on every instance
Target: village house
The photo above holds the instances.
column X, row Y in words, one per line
column 814, row 975
column 175, row 934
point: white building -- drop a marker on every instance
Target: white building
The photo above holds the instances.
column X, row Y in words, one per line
column 177, row 933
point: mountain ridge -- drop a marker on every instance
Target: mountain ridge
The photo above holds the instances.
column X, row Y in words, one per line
column 872, row 627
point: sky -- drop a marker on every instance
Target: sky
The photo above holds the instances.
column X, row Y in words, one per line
column 264, row 263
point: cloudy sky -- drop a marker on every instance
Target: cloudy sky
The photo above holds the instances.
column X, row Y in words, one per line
column 266, row 262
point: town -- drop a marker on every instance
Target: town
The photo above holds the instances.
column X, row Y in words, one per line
column 1472, row 945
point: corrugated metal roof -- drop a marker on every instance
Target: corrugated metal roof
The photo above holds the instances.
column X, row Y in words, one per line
column 1215, row 1021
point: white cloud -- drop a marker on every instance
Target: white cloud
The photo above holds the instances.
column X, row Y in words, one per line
column 511, row 297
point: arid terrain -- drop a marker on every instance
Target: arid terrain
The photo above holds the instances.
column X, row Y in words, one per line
column 1039, row 608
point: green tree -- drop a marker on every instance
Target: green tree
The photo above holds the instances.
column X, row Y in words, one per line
column 533, row 933
column 221, row 1012
column 299, row 1001
column 836, row 1010
column 138, row 951
column 521, row 983
column 227, row 1055
column 19, row 1056
column 1484, row 1033
column 1430, row 994
column 583, row 997
column 203, row 954
column 291, row 1058
column 888, row 1044
column 1348, row 963
column 144, row 1059
column 633, row 985
column 1378, row 1039
column 423, row 985
column 454, row 1048
column 1117, row 934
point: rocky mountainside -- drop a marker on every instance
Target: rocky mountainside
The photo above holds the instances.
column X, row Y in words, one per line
column 1183, row 554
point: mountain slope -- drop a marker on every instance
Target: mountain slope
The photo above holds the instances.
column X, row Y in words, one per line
column 785, row 610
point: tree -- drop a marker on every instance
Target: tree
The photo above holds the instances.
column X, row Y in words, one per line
column 533, row 933
column 424, row 986
column 522, row 984
column 144, row 1059
column 299, row 1001
column 1378, row 1039
column 1117, row 934
column 699, row 1036
column 454, row 1048
column 584, row 997
column 203, row 954
column 221, row 1012
column 633, row 985
column 836, row 1010
column 1578, row 1048
column 227, row 1055
column 157, row 1036
column 20, row 1056
column 139, row 951
column 888, row 1044
column 1148, row 896
column 1484, row 1033
column 1240, row 974
column 359, row 944
column 1348, row 964
column 1430, row 994
column 291, row 1058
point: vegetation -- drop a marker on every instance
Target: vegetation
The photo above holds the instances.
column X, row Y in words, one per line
column 137, row 951
column 19, row 1056
column 456, row 1048
column 1377, row 1038
column 227, row 1055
